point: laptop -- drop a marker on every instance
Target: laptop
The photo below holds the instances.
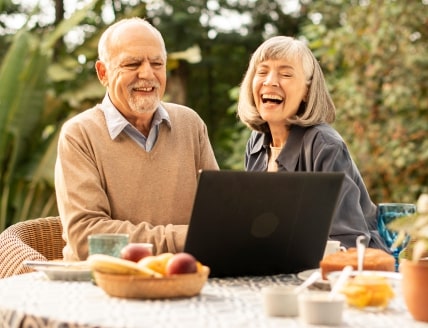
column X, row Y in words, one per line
column 261, row 223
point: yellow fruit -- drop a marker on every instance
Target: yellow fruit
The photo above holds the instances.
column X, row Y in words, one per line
column 156, row 262
column 113, row 265
column 362, row 291
column 356, row 295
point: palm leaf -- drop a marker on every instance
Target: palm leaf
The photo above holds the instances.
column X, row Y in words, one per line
column 26, row 158
column 22, row 101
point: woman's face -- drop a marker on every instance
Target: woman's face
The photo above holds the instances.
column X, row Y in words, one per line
column 279, row 86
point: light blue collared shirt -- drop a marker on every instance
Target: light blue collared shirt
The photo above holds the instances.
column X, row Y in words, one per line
column 116, row 123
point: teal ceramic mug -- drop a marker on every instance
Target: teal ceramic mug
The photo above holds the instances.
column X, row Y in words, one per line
column 107, row 243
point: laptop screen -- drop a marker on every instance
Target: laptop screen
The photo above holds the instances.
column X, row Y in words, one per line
column 261, row 223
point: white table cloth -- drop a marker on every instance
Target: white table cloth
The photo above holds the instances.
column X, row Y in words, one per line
column 32, row 300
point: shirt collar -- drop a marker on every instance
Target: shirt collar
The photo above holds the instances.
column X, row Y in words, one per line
column 289, row 155
column 116, row 122
column 260, row 143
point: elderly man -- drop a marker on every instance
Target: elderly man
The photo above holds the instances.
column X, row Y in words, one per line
column 130, row 164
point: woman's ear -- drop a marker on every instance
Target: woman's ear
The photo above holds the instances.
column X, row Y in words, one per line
column 306, row 96
column 101, row 69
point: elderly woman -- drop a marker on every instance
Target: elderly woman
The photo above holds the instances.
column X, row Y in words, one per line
column 285, row 101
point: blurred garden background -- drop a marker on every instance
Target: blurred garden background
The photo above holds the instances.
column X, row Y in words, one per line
column 374, row 55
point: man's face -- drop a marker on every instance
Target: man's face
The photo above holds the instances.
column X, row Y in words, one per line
column 135, row 74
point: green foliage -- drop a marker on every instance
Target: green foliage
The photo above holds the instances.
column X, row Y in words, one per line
column 374, row 55
column 21, row 104
column 29, row 124
column 375, row 58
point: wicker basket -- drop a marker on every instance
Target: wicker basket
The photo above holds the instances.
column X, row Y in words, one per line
column 132, row 286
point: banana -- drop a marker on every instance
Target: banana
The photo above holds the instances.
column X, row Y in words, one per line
column 110, row 264
column 156, row 263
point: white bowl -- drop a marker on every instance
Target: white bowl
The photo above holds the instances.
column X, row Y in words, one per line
column 280, row 301
column 317, row 308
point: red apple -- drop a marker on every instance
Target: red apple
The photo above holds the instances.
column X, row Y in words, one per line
column 135, row 252
column 181, row 263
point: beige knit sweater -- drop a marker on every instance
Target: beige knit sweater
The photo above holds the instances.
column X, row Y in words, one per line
column 105, row 185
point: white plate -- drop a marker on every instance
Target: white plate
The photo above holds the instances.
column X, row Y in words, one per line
column 60, row 270
column 387, row 274
column 320, row 283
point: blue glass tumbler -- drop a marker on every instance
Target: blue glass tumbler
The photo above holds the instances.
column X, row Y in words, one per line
column 388, row 212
